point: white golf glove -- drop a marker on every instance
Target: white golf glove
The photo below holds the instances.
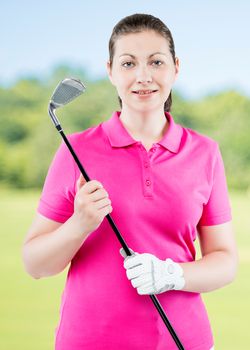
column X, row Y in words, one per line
column 151, row 275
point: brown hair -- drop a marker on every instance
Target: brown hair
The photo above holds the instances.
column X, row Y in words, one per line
column 135, row 24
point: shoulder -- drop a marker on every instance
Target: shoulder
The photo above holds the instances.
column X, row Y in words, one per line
column 199, row 141
column 200, row 150
column 89, row 135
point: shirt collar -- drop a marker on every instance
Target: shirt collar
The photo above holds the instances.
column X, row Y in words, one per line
column 119, row 137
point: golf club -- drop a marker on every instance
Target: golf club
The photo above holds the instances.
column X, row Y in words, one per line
column 66, row 91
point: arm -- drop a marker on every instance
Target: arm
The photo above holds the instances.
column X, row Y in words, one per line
column 216, row 268
column 218, row 265
column 50, row 246
column 219, row 261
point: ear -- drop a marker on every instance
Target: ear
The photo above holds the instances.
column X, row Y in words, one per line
column 177, row 67
column 109, row 70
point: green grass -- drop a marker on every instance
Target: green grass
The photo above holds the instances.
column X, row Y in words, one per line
column 29, row 309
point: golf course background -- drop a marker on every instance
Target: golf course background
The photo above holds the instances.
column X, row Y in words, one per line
column 29, row 309
column 46, row 41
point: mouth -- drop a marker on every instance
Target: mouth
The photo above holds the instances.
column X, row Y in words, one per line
column 144, row 92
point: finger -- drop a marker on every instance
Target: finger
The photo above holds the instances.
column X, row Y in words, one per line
column 134, row 260
column 80, row 182
column 135, row 272
column 102, row 203
column 92, row 186
column 98, row 194
column 145, row 290
column 143, row 280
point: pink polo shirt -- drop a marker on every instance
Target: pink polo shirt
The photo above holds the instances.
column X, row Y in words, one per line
column 159, row 197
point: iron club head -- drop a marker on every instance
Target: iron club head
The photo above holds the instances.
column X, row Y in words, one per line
column 66, row 91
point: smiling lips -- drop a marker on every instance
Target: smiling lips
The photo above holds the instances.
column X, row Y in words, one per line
column 144, row 92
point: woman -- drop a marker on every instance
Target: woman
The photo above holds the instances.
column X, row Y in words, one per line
column 165, row 186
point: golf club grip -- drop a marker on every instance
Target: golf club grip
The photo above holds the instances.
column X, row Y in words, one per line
column 124, row 245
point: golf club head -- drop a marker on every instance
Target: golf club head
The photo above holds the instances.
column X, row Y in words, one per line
column 66, row 91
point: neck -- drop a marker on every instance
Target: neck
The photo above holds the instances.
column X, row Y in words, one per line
column 145, row 126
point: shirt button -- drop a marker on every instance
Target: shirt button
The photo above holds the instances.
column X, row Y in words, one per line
column 146, row 165
column 154, row 149
column 148, row 182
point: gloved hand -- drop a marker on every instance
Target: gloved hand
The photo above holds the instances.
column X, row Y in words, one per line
column 151, row 275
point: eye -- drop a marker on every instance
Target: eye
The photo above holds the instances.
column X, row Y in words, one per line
column 157, row 63
column 128, row 64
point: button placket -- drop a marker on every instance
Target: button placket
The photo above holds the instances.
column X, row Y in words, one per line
column 146, row 172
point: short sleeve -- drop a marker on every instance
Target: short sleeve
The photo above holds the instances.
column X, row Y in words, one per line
column 57, row 198
column 218, row 209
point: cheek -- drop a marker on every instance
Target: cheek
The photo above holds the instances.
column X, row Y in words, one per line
column 124, row 81
column 167, row 79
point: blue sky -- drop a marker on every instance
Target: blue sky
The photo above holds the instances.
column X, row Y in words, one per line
column 212, row 39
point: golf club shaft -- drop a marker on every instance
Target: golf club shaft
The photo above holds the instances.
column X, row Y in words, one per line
column 123, row 244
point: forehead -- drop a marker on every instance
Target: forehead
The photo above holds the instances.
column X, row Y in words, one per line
column 143, row 42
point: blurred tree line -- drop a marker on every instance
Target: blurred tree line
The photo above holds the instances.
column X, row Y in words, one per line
column 28, row 140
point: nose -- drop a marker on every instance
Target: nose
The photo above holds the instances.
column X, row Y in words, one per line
column 143, row 75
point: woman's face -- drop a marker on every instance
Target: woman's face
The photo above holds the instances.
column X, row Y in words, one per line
column 143, row 70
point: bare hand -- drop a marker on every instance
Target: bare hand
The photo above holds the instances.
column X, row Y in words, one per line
column 91, row 204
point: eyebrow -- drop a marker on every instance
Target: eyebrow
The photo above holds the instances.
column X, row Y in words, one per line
column 153, row 54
